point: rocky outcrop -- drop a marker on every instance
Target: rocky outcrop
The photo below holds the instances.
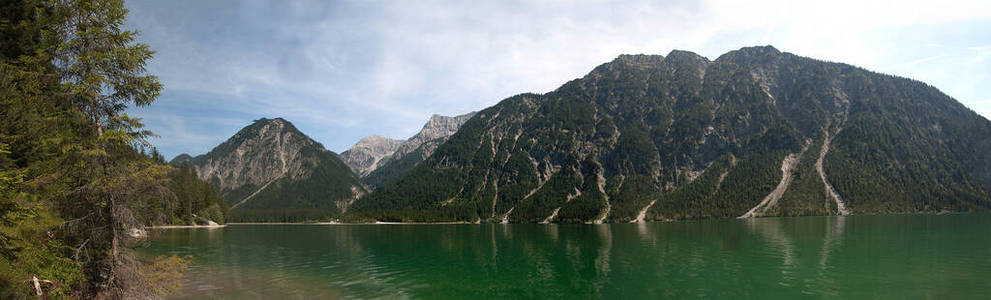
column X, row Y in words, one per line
column 437, row 129
column 366, row 155
column 373, row 152
column 408, row 153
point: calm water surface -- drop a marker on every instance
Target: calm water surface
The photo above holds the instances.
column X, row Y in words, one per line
column 902, row 256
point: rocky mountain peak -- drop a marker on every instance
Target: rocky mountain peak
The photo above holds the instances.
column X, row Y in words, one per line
column 441, row 126
column 365, row 155
column 438, row 127
column 639, row 59
column 687, row 61
column 756, row 51
column 374, row 152
column 373, row 139
column 265, row 150
column 681, row 57
column 181, row 159
column 271, row 164
column 750, row 54
column 273, row 126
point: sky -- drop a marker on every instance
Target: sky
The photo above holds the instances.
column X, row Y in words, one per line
column 342, row 70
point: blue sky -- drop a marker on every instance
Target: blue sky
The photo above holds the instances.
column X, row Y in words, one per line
column 342, row 70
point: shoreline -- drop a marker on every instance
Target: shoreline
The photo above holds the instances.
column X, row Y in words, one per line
column 474, row 223
column 185, row 226
column 346, row 223
column 209, row 224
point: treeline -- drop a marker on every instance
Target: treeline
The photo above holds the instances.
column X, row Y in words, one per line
column 74, row 179
column 198, row 202
column 282, row 215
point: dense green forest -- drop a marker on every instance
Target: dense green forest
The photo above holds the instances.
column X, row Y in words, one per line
column 677, row 137
column 197, row 201
column 75, row 178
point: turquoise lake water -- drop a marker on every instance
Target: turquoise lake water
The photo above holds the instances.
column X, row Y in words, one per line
column 896, row 256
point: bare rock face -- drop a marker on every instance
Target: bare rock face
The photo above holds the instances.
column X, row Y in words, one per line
column 258, row 156
column 438, row 129
column 366, row 155
column 393, row 157
column 272, row 165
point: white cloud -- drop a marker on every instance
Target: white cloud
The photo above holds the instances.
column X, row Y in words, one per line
column 342, row 70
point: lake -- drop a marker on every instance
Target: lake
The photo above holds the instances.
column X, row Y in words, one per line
column 895, row 256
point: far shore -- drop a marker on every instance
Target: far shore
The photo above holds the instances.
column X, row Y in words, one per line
column 186, row 226
column 465, row 223
column 346, row 223
column 209, row 224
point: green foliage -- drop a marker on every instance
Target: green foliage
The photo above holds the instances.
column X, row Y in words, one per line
column 426, row 192
column 897, row 167
column 806, row 195
column 164, row 273
column 635, row 193
column 197, row 201
column 101, row 67
column 745, row 183
column 551, row 195
column 635, row 153
column 650, row 124
column 31, row 250
column 585, row 207
column 393, row 170
column 283, row 215
column 73, row 181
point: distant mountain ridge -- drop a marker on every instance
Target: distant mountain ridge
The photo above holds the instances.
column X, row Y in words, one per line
column 437, row 129
column 368, row 153
column 379, row 160
column 270, row 167
column 756, row 132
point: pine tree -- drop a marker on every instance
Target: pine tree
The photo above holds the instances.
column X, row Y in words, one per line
column 69, row 152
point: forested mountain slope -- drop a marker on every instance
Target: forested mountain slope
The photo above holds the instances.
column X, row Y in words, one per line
column 756, row 132
column 270, row 171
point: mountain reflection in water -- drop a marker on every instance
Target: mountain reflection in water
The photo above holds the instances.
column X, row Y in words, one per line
column 848, row 257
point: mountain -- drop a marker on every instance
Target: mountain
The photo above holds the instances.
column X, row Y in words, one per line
column 434, row 132
column 756, row 132
column 181, row 159
column 270, row 170
column 379, row 160
column 367, row 154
